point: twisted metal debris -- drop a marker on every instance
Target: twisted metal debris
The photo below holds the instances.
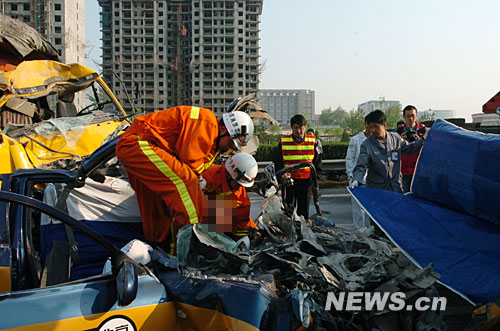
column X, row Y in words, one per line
column 295, row 257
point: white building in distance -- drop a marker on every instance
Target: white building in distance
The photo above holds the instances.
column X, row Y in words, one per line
column 383, row 105
column 441, row 114
column 283, row 104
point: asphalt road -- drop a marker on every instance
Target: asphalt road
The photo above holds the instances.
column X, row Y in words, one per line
column 335, row 204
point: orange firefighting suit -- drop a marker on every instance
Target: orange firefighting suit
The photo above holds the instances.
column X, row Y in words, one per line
column 164, row 152
column 217, row 184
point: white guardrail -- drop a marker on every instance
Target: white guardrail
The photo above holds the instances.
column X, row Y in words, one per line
column 337, row 164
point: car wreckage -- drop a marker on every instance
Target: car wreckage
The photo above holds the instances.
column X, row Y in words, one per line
column 67, row 209
column 61, row 226
column 68, row 133
column 50, row 112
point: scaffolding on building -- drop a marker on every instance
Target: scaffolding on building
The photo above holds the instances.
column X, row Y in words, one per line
column 178, row 63
column 39, row 16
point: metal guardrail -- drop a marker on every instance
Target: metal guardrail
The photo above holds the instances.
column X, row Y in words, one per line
column 337, row 164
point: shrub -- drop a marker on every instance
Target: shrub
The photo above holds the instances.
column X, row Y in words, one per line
column 334, row 150
column 264, row 152
column 331, row 151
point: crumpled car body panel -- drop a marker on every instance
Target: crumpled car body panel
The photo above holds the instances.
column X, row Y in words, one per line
column 86, row 134
column 36, row 78
column 42, row 143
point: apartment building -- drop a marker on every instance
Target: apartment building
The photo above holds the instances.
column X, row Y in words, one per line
column 62, row 22
column 283, row 104
column 194, row 52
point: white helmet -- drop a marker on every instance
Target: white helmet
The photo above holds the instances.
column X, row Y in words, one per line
column 243, row 168
column 238, row 124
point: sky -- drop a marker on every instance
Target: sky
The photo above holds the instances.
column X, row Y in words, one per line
column 434, row 54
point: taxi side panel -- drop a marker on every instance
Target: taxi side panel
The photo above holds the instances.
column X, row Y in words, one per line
column 85, row 306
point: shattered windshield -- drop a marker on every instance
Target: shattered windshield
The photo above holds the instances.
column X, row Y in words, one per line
column 69, row 103
column 96, row 98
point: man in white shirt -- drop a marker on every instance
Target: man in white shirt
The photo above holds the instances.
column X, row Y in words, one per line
column 359, row 216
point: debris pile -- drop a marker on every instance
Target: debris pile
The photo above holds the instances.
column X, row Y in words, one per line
column 298, row 257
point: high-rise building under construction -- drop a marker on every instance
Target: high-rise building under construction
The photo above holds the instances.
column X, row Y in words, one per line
column 194, row 52
column 62, row 22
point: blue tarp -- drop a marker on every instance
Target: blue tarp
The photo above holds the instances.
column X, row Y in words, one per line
column 464, row 249
column 452, row 217
column 460, row 169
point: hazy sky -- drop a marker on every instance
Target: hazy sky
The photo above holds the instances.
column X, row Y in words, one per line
column 438, row 54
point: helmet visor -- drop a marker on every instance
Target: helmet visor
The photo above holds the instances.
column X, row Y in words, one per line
column 239, row 142
column 243, row 179
column 246, row 181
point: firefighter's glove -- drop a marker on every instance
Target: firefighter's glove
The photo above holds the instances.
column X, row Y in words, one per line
column 353, row 184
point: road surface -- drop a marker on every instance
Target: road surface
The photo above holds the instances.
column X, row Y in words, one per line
column 335, row 204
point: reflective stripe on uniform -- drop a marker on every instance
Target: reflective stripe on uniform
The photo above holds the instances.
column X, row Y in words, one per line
column 209, row 163
column 210, row 158
column 294, row 153
column 195, row 113
column 290, row 139
column 200, row 168
column 287, row 164
column 179, row 184
column 297, row 147
column 298, row 157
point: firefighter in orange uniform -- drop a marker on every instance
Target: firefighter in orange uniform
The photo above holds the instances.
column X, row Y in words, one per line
column 296, row 148
column 228, row 182
column 165, row 152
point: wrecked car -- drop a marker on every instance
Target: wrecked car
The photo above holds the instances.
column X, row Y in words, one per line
column 52, row 264
column 49, row 111
column 46, row 92
column 60, row 227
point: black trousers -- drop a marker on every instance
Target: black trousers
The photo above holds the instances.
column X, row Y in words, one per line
column 407, row 183
column 299, row 194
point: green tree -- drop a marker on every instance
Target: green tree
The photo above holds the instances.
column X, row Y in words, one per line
column 337, row 132
column 393, row 115
column 427, row 116
column 354, row 122
column 329, row 132
column 326, row 117
column 345, row 136
column 338, row 116
column 264, row 137
column 275, row 129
